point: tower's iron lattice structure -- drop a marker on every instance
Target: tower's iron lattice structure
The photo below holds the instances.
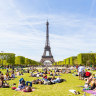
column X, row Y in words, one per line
column 47, row 48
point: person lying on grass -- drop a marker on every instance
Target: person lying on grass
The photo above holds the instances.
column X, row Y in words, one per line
column 57, row 80
column 52, row 80
column 48, row 81
column 42, row 81
column 23, row 84
column 38, row 81
column 26, row 89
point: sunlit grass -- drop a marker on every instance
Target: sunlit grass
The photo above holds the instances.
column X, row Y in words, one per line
column 59, row 89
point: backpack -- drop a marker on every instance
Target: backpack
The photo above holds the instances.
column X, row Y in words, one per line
column 21, row 80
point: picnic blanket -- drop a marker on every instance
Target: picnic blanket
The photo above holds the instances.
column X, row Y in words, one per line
column 90, row 91
column 22, row 90
column 26, row 91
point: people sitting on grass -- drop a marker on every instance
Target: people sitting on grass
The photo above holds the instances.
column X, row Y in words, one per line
column 90, row 83
column 21, row 83
column 45, row 71
column 7, row 76
column 48, row 80
column 41, row 74
column 3, row 83
column 56, row 74
column 1, row 79
column 21, row 73
column 51, row 74
column 38, row 75
column 68, row 71
column 7, row 69
column 80, row 69
column 28, row 70
column 45, row 77
column 81, row 75
column 88, row 80
column 44, row 81
column 12, row 75
column 32, row 74
column 93, row 84
column 17, row 73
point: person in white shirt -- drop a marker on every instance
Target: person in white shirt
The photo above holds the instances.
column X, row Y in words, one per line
column 80, row 70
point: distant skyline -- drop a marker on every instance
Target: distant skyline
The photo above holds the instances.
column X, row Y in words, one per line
column 72, row 27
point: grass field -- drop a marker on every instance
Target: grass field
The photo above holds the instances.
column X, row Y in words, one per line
column 59, row 89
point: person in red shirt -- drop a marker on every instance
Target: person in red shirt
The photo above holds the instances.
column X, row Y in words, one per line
column 87, row 74
column 45, row 76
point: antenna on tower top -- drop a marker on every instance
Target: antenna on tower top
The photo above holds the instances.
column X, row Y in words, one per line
column 47, row 22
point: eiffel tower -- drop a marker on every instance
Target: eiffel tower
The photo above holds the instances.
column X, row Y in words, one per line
column 47, row 48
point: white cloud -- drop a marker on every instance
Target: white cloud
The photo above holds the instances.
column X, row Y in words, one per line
column 92, row 7
column 24, row 34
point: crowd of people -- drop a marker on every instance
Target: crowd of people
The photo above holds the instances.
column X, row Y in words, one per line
column 44, row 76
column 90, row 79
column 4, row 78
column 45, row 79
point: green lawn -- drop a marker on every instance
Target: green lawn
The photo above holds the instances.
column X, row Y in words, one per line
column 60, row 89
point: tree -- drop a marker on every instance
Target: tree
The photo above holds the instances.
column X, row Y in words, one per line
column 19, row 60
column 87, row 58
column 8, row 57
column 73, row 60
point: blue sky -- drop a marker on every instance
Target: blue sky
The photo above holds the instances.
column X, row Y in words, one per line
column 72, row 27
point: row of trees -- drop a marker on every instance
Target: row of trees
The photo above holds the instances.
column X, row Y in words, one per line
column 10, row 59
column 7, row 58
column 20, row 60
column 80, row 59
